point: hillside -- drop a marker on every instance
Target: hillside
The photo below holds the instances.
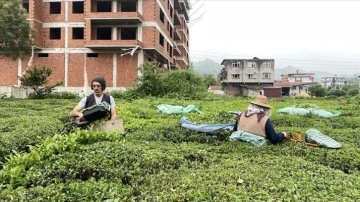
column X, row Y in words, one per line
column 207, row 66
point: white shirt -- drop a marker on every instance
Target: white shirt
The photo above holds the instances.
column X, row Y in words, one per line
column 97, row 100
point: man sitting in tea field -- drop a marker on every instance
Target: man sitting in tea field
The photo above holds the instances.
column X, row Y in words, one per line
column 98, row 96
column 254, row 125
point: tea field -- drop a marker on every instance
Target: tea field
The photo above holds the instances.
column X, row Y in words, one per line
column 158, row 160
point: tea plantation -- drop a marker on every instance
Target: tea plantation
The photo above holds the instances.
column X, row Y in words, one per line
column 158, row 160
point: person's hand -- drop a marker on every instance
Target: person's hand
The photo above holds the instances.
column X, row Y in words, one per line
column 80, row 117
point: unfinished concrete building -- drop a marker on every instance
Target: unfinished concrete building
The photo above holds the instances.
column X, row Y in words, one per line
column 81, row 39
column 247, row 77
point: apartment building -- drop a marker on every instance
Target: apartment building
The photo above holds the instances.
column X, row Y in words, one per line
column 298, row 77
column 296, row 83
column 333, row 81
column 247, row 76
column 81, row 39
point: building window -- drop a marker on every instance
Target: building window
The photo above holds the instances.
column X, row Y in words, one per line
column 235, row 76
column 128, row 6
column 103, row 33
column 103, row 6
column 251, row 64
column 268, row 64
column 25, row 5
column 266, row 75
column 78, row 7
column 43, row 55
column 236, row 64
column 161, row 40
column 55, row 33
column 128, row 33
column 162, row 16
column 78, row 33
column 55, row 7
column 92, row 55
column 251, row 76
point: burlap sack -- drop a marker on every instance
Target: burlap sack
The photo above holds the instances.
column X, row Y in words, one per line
column 112, row 126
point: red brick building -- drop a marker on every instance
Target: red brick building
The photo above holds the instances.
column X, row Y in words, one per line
column 81, row 39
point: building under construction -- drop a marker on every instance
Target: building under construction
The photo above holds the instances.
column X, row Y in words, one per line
column 81, row 39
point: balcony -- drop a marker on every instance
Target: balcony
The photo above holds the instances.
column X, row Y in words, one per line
column 113, row 44
column 112, row 18
column 183, row 7
column 177, row 51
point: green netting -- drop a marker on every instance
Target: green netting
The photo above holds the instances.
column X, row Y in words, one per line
column 315, row 136
column 294, row 110
column 171, row 109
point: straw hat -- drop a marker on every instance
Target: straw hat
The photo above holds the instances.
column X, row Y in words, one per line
column 262, row 101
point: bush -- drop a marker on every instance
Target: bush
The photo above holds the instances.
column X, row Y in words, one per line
column 353, row 92
column 185, row 83
column 151, row 81
column 36, row 78
column 317, row 90
column 62, row 95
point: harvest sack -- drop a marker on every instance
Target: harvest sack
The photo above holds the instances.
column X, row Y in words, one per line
column 97, row 112
column 315, row 136
column 111, row 126
column 249, row 137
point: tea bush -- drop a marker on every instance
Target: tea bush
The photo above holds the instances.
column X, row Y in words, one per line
column 158, row 160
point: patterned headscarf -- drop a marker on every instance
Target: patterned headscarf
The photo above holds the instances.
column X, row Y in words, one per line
column 258, row 110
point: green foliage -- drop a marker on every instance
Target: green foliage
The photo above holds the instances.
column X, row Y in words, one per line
column 336, row 92
column 158, row 160
column 35, row 78
column 222, row 75
column 151, row 79
column 210, row 80
column 15, row 37
column 186, row 83
column 62, row 95
column 155, row 82
column 353, row 92
column 317, row 90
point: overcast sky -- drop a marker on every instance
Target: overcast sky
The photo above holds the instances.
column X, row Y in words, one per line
column 311, row 35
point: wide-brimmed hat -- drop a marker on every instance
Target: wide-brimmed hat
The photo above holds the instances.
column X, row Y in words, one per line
column 262, row 101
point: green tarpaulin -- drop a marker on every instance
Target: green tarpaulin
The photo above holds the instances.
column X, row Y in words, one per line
column 293, row 110
column 171, row 109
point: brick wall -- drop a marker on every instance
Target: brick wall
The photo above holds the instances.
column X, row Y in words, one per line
column 9, row 72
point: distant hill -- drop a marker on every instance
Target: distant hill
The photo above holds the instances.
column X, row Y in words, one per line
column 208, row 66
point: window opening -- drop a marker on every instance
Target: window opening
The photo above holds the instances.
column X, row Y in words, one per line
column 103, row 33
column 55, row 7
column 78, row 7
column 55, row 33
column 92, row 55
column 103, row 6
column 128, row 6
column 128, row 33
column 78, row 33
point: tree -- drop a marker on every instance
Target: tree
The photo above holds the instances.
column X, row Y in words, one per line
column 16, row 33
column 210, row 80
column 317, row 90
column 35, row 78
column 151, row 79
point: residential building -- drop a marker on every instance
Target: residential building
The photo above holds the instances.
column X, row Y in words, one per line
column 333, row 81
column 295, row 83
column 81, row 39
column 247, row 76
